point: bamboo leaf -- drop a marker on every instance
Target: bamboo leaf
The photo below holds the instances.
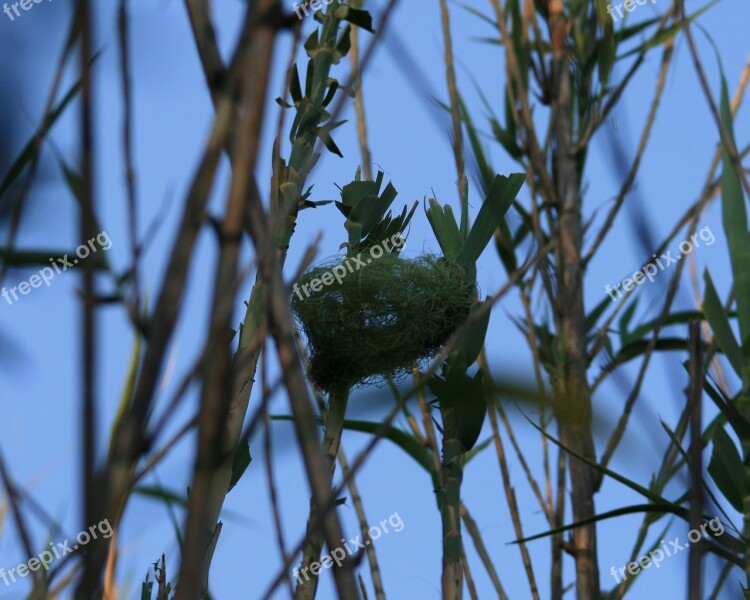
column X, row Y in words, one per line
column 719, row 322
column 662, row 36
column 627, row 510
column 444, row 225
column 295, row 87
column 355, row 16
column 242, row 460
column 406, row 442
column 645, row 492
column 34, row 144
column 727, row 470
column 593, row 317
column 502, row 193
column 731, row 413
column 734, row 217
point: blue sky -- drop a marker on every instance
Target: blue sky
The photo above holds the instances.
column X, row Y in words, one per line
column 39, row 378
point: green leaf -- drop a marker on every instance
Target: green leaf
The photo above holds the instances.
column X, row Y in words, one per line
column 645, row 492
column 507, row 139
column 473, row 340
column 408, row 443
column 727, row 470
column 242, row 460
column 606, row 46
column 159, row 493
column 476, row 450
column 295, row 87
column 311, row 44
column 330, row 93
column 632, row 30
column 444, row 225
column 719, row 322
column 505, row 244
column 490, row 21
column 662, row 36
column 387, row 227
column 731, row 413
column 624, row 323
column 627, row 510
column 634, row 349
column 486, row 175
column 34, row 144
column 372, row 209
column 355, row 16
column 343, row 46
column 501, row 194
column 462, row 403
column 593, row 317
column 324, row 134
column 365, row 210
column 22, row 258
column 679, row 317
column 734, row 217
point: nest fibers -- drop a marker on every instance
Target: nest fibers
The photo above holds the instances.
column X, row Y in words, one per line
column 381, row 319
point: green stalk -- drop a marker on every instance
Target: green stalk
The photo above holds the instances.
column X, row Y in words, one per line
column 746, row 510
column 450, row 506
column 307, row 581
column 289, row 183
column 286, row 190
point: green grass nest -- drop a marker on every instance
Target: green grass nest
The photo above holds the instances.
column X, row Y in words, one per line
column 380, row 319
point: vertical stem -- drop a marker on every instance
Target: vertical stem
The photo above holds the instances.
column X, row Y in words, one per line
column 695, row 579
column 377, row 579
column 573, row 395
column 89, row 585
column 359, row 98
column 307, row 580
column 213, row 457
column 458, row 155
column 452, row 475
column 746, row 524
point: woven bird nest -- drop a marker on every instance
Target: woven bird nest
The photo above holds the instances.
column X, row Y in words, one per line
column 375, row 322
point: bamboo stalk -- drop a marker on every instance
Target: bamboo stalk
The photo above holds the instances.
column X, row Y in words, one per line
column 334, row 427
column 451, row 468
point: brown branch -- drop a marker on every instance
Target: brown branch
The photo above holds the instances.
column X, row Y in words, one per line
column 94, row 505
column 450, row 76
column 359, row 509
column 359, row 111
column 695, row 456
column 484, row 556
column 213, row 451
column 510, row 496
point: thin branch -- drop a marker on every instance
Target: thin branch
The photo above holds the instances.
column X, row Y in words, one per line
column 450, row 76
column 661, row 80
column 484, row 556
column 695, row 454
column 510, row 496
column 359, row 509
column 726, row 138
